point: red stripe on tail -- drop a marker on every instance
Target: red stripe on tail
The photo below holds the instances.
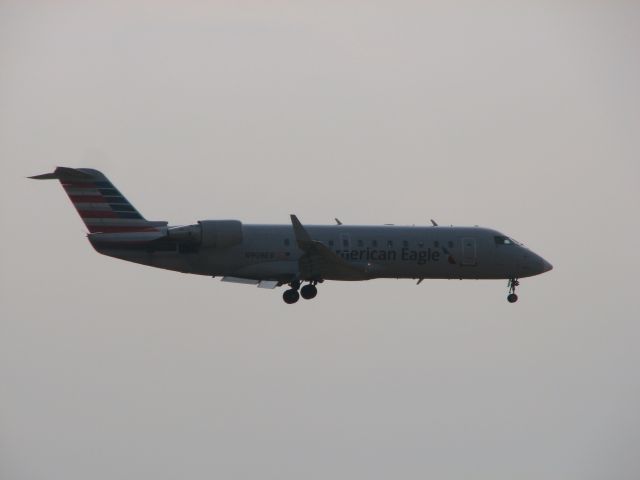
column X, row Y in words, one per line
column 87, row 199
column 97, row 214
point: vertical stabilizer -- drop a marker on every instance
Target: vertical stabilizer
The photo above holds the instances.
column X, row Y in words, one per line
column 100, row 205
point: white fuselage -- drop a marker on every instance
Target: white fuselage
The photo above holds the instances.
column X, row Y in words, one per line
column 270, row 252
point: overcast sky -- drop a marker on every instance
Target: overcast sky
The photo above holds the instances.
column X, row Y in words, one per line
column 522, row 116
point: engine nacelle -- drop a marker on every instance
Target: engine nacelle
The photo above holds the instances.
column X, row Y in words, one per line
column 209, row 233
column 220, row 233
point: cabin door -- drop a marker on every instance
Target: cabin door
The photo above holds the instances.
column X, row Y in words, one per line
column 469, row 251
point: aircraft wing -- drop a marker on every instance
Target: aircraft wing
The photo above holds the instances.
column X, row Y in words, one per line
column 321, row 262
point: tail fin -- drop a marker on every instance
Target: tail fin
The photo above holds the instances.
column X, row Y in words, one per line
column 100, row 205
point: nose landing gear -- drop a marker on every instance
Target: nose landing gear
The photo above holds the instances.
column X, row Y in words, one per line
column 512, row 297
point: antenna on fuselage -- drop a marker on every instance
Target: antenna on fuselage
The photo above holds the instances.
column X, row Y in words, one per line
column 338, row 221
column 433, row 222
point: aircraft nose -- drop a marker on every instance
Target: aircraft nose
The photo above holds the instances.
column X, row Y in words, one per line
column 540, row 265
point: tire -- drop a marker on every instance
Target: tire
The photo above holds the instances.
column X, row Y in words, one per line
column 512, row 298
column 308, row 291
column 290, row 296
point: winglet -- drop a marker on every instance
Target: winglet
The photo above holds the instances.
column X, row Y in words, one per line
column 328, row 259
column 302, row 236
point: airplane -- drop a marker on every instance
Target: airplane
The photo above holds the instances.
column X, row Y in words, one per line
column 299, row 256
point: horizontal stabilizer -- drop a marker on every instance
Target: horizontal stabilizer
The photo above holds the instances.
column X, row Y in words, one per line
column 64, row 173
column 45, row 176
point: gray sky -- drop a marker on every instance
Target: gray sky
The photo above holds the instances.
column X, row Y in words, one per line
column 523, row 116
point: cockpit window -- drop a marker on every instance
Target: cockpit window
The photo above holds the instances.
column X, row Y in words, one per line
column 504, row 241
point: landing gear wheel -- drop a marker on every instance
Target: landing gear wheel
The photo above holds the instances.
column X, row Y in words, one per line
column 512, row 297
column 309, row 291
column 290, row 296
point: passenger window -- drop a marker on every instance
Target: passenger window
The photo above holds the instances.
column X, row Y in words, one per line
column 450, row 243
column 374, row 243
column 390, row 243
column 360, row 243
column 405, row 244
column 286, row 242
column 331, row 243
column 421, row 244
column 436, row 243
column 345, row 243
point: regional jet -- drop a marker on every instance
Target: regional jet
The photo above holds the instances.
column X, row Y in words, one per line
column 296, row 255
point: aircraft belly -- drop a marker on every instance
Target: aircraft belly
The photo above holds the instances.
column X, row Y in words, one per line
column 164, row 260
column 440, row 270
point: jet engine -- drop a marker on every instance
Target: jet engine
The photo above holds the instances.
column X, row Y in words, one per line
column 208, row 233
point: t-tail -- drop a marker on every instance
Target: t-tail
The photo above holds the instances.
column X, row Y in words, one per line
column 103, row 209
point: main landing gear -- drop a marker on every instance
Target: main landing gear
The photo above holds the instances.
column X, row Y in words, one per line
column 512, row 297
column 307, row 292
column 290, row 296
